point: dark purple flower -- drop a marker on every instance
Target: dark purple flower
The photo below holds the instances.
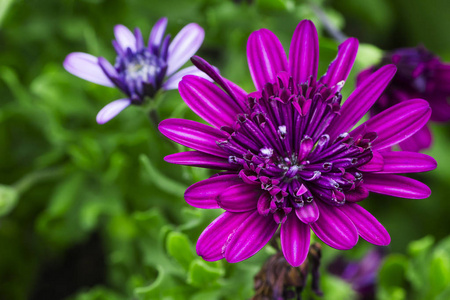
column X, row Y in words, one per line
column 362, row 275
column 289, row 152
column 420, row 74
column 140, row 70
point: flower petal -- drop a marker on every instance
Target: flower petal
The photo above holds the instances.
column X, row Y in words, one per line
column 193, row 135
column 334, row 228
column 201, row 160
column 420, row 140
column 239, row 198
column 340, row 68
column 173, row 81
column 111, row 110
column 356, row 195
column 125, row 37
column 86, row 66
column 406, row 162
column 304, row 52
column 359, row 102
column 183, row 46
column 213, row 241
column 368, row 226
column 396, row 123
column 309, row 213
column 157, row 33
column 295, row 239
column 250, row 237
column 204, row 194
column 395, row 185
column 266, row 57
column 209, row 101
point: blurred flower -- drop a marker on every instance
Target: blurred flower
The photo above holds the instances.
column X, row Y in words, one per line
column 420, row 74
column 362, row 275
column 289, row 151
column 140, row 71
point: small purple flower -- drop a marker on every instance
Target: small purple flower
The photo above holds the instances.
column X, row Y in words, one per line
column 140, row 70
column 289, row 152
column 420, row 74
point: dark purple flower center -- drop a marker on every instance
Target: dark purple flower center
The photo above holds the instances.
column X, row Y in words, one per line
column 282, row 148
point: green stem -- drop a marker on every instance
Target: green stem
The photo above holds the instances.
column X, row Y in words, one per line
column 31, row 179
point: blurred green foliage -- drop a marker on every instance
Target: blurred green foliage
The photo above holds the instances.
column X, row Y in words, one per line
column 65, row 179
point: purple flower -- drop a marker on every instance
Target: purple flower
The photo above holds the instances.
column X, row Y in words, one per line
column 289, row 152
column 140, row 70
column 420, row 74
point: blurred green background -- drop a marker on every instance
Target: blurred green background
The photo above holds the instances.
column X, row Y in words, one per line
column 92, row 211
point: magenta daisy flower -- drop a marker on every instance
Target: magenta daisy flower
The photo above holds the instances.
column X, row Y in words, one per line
column 290, row 153
column 420, row 74
column 140, row 70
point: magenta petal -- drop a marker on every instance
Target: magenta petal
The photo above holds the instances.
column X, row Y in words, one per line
column 396, row 185
column 396, row 123
column 304, row 52
column 204, row 194
column 183, row 46
column 111, row 110
column 240, row 198
column 334, row 228
column 209, row 101
column 406, row 162
column 125, row 37
column 295, row 238
column 359, row 102
column 86, row 66
column 200, row 159
column 173, row 81
column 266, row 57
column 157, row 34
column 420, row 140
column 375, row 164
column 193, row 135
column 309, row 213
column 340, row 68
column 250, row 237
column 356, row 195
column 213, row 241
column 368, row 226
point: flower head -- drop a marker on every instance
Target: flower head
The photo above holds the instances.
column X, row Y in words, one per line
column 420, row 74
column 140, row 70
column 289, row 152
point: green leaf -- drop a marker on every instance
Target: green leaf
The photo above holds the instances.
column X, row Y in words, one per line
column 8, row 199
column 439, row 272
column 339, row 289
column 202, row 273
column 180, row 248
column 392, row 273
column 421, row 247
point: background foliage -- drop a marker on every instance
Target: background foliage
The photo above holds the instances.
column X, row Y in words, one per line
column 93, row 212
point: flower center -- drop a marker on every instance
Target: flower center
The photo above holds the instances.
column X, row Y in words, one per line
column 281, row 144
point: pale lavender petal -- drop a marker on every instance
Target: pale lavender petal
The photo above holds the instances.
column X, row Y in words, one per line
column 183, row 46
column 111, row 110
column 309, row 213
column 304, row 52
column 193, row 135
column 213, row 241
column 239, row 198
column 201, row 160
column 250, row 237
column 209, row 101
column 396, row 123
column 359, row 102
column 406, row 162
column 266, row 57
column 157, row 33
column 368, row 226
column 396, row 185
column 340, row 68
column 204, row 194
column 334, row 228
column 173, row 81
column 420, row 140
column 86, row 66
column 295, row 238
column 125, row 37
